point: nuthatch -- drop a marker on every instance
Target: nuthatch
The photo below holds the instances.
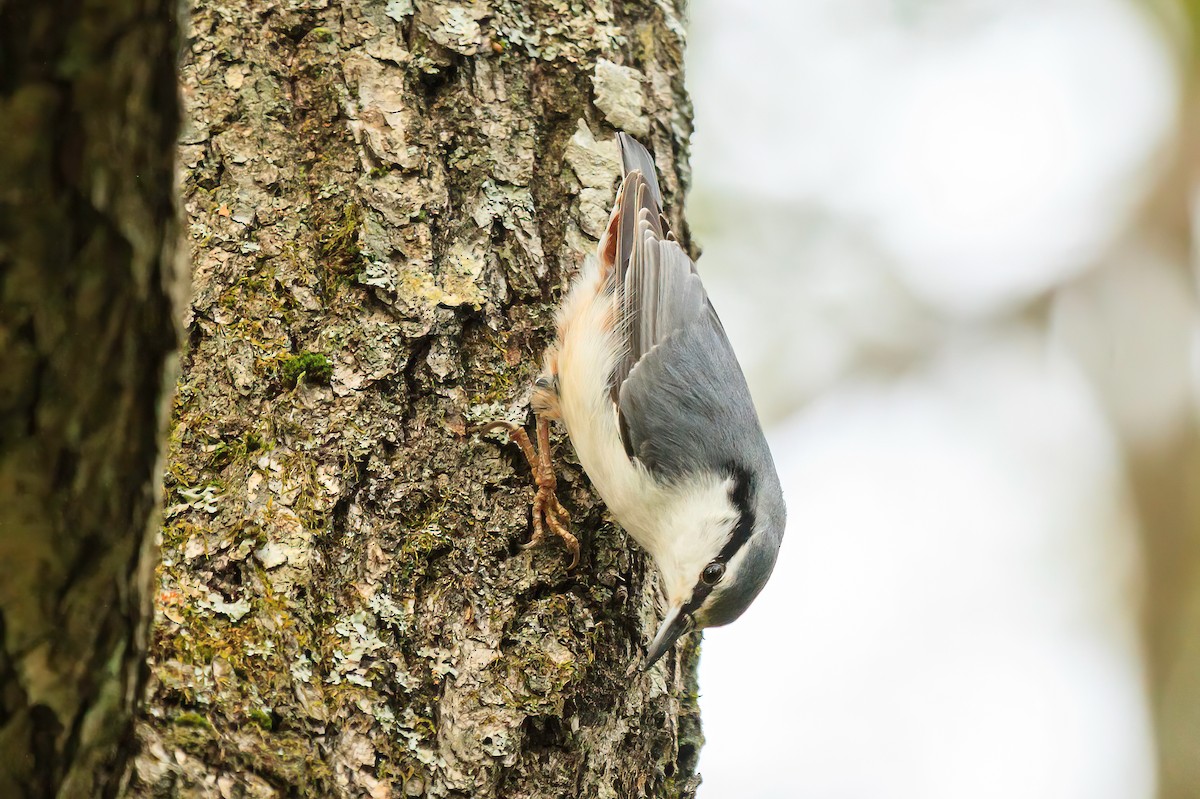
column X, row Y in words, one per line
column 646, row 383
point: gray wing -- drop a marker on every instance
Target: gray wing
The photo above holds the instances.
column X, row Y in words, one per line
column 636, row 158
column 682, row 402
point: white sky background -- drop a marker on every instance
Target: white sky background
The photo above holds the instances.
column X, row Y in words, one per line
column 880, row 187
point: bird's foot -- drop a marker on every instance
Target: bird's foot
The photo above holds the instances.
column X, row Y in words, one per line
column 547, row 510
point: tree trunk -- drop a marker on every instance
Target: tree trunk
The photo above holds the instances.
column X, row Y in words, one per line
column 1165, row 470
column 88, row 244
column 385, row 199
column 1161, row 439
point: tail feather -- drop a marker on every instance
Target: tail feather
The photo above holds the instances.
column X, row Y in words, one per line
column 654, row 284
column 635, row 158
column 638, row 191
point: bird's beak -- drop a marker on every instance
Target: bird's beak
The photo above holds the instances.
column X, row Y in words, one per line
column 674, row 625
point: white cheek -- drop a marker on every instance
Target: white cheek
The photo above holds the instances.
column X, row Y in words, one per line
column 696, row 520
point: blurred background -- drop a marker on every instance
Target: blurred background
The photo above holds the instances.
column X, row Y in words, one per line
column 952, row 243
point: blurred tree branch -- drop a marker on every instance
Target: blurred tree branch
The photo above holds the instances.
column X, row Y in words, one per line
column 1165, row 470
column 88, row 242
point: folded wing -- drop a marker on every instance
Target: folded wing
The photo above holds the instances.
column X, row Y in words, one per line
column 681, row 399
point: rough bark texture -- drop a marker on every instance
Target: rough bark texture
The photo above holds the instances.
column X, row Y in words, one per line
column 87, row 272
column 385, row 199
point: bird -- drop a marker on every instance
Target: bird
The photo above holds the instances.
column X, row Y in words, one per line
column 646, row 383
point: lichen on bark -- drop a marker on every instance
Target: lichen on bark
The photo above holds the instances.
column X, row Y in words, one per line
column 403, row 189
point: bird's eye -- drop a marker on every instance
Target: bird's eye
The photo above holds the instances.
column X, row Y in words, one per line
column 713, row 573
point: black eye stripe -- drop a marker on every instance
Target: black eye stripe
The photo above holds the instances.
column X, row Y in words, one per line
column 699, row 594
column 741, row 494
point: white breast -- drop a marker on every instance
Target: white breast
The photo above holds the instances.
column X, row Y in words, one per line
column 588, row 348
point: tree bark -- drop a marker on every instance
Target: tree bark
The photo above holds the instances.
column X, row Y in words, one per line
column 385, row 199
column 1165, row 470
column 88, row 244
column 1162, row 447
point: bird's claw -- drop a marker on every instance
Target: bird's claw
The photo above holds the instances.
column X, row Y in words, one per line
column 547, row 511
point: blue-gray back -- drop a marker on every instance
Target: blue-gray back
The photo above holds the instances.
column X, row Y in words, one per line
column 683, row 401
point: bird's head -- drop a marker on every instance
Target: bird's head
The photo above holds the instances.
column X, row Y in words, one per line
column 720, row 553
